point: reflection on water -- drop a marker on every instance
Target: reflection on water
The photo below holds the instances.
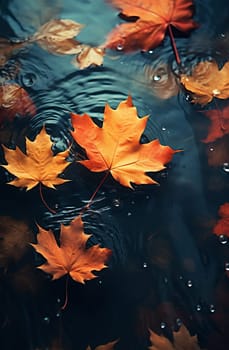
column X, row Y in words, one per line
column 167, row 268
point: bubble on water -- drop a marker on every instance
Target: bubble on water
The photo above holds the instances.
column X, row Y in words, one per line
column 223, row 239
column 28, row 79
column 227, row 266
column 178, row 322
column 211, row 149
column 189, row 283
column 129, row 213
column 145, row 265
column 163, row 325
column 222, row 35
column 116, row 202
column 58, row 300
column 100, row 282
column 226, row 167
column 58, row 314
column 163, row 128
column 198, row 307
column 188, row 98
column 156, row 77
column 212, row 308
column 56, row 206
column 46, row 320
column 119, row 47
column 150, row 52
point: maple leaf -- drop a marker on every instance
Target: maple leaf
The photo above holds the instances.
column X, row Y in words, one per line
column 116, row 146
column 182, row 341
column 207, row 81
column 71, row 257
column 153, row 19
column 222, row 226
column 38, row 165
column 108, row 346
column 219, row 123
column 57, row 36
column 14, row 100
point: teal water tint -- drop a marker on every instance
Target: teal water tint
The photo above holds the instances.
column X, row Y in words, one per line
column 167, row 268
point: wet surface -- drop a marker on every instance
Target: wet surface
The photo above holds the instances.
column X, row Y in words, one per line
column 167, row 268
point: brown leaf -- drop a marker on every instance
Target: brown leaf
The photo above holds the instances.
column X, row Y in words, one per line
column 219, row 123
column 14, row 100
column 71, row 257
column 38, row 165
column 57, row 36
column 207, row 81
column 182, row 341
column 89, row 56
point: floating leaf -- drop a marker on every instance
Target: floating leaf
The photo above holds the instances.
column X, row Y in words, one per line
column 71, row 257
column 207, row 81
column 116, row 146
column 89, row 56
column 38, row 165
column 108, row 346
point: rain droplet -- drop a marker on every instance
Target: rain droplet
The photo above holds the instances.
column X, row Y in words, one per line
column 223, row 35
column 100, row 282
column 223, row 239
column 132, row 202
column 145, row 265
column 211, row 149
column 46, row 320
column 58, row 300
column 28, row 79
column 119, row 47
column 156, row 77
column 180, row 277
column 189, row 283
column 150, row 52
column 188, row 98
column 198, row 307
column 212, row 308
column 163, row 325
column 226, row 167
column 178, row 322
column 116, row 203
column 227, row 266
column 129, row 213
column 165, row 279
column 58, row 314
column 163, row 128
column 147, row 197
column 56, row 206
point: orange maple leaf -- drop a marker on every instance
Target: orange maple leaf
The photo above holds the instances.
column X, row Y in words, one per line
column 116, row 146
column 222, row 226
column 182, row 341
column 207, row 81
column 154, row 18
column 38, row 165
column 219, row 123
column 71, row 257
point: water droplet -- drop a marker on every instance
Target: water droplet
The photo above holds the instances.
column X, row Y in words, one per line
column 58, row 300
column 227, row 266
column 212, row 308
column 116, row 202
column 178, row 322
column 223, row 35
column 28, row 79
column 165, row 279
column 132, row 202
column 189, row 283
column 129, row 213
column 198, row 307
column 180, row 277
column 58, row 314
column 163, row 325
column 119, row 47
column 156, row 77
column 211, row 149
column 188, row 98
column 56, row 206
column 147, row 197
column 100, row 282
column 163, row 128
column 150, row 52
column 145, row 265
column 46, row 320
column 223, row 239
column 226, row 167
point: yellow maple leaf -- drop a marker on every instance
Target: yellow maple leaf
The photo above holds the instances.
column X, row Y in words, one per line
column 38, row 165
column 207, row 81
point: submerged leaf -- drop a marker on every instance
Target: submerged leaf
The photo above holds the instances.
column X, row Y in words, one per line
column 116, row 146
column 182, row 341
column 207, row 81
column 71, row 257
column 38, row 165
column 153, row 18
column 219, row 124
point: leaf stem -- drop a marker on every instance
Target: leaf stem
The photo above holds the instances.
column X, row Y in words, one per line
column 43, row 200
column 95, row 192
column 178, row 60
column 66, row 293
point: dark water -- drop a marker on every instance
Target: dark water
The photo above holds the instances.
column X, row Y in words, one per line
column 167, row 268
